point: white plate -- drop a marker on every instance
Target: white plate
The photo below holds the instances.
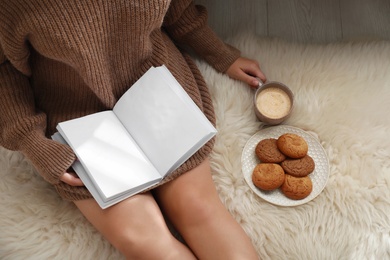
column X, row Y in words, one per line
column 319, row 176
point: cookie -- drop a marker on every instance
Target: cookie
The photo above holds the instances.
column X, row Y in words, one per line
column 268, row 176
column 267, row 151
column 296, row 188
column 292, row 145
column 299, row 167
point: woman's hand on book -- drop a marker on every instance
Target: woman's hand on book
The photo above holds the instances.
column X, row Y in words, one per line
column 71, row 178
column 246, row 70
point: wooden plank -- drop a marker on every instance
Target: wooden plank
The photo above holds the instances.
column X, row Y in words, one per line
column 261, row 17
column 230, row 17
column 365, row 19
column 305, row 20
column 315, row 21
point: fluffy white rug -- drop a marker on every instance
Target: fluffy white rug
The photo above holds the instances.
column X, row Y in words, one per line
column 342, row 96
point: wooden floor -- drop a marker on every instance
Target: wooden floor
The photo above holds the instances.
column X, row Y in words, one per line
column 318, row 21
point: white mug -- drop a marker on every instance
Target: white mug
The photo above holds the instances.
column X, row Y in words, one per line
column 273, row 102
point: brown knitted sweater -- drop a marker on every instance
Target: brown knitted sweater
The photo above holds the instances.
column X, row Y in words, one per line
column 65, row 59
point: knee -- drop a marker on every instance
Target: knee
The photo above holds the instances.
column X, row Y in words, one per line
column 140, row 245
column 198, row 208
column 128, row 243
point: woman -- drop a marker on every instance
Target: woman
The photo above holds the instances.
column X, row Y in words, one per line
column 65, row 59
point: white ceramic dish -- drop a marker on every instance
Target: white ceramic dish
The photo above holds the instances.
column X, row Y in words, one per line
column 319, row 176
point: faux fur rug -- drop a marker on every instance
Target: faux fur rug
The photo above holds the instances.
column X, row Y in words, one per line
column 342, row 96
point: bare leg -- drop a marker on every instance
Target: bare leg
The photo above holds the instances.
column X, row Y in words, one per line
column 135, row 227
column 191, row 202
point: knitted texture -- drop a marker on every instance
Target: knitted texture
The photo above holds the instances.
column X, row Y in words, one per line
column 65, row 59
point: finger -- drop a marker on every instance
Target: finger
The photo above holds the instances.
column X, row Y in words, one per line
column 261, row 75
column 256, row 73
column 249, row 79
column 71, row 179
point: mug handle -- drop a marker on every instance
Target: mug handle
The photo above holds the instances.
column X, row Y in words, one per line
column 261, row 83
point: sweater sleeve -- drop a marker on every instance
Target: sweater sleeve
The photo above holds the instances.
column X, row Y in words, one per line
column 23, row 126
column 186, row 23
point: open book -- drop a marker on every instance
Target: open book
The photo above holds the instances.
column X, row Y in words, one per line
column 153, row 128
